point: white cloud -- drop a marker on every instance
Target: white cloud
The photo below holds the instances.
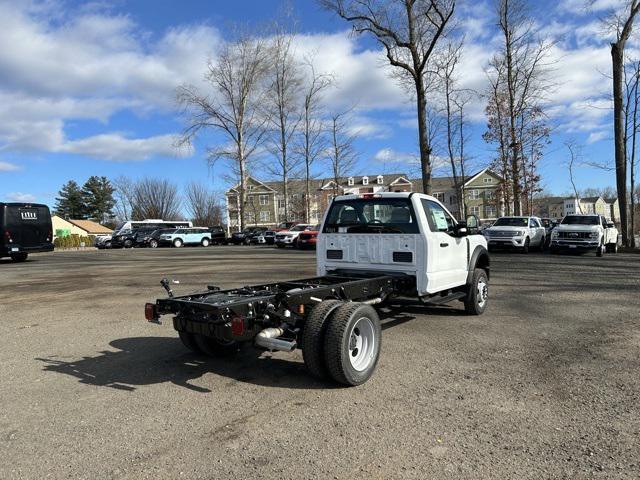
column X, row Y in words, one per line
column 20, row 197
column 9, row 167
column 388, row 155
column 117, row 148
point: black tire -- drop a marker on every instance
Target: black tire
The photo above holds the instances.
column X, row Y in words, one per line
column 107, row 244
column 215, row 348
column 19, row 257
column 128, row 243
column 527, row 243
column 312, row 340
column 601, row 250
column 280, row 245
column 542, row 244
column 338, row 341
column 474, row 304
column 246, row 241
column 189, row 341
column 205, row 242
column 153, row 243
column 178, row 243
column 612, row 248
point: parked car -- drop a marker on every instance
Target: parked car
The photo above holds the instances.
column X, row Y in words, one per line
column 218, row 235
column 244, row 237
column 548, row 224
column 102, row 241
column 516, row 232
column 152, row 240
column 129, row 238
column 267, row 238
column 585, row 233
column 187, row 236
column 290, row 237
column 309, row 238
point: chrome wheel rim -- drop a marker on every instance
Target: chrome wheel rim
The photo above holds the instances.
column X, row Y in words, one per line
column 482, row 293
column 362, row 344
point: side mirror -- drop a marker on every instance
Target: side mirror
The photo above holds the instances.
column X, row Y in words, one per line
column 472, row 223
column 461, row 229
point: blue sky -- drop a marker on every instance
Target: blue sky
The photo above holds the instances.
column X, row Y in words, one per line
column 87, row 88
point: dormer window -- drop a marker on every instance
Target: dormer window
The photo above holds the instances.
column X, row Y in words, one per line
column 380, row 179
column 365, row 180
column 350, row 181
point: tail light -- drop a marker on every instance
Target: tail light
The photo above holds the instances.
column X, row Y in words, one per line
column 150, row 312
column 7, row 235
column 237, row 326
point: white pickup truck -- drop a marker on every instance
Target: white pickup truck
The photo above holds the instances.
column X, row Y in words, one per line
column 371, row 248
column 585, row 233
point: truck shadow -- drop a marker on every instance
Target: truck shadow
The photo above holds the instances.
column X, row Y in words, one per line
column 140, row 361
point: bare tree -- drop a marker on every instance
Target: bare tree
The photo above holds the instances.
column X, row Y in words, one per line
column 234, row 107
column 573, row 158
column 313, row 141
column 518, row 82
column 409, row 31
column 156, row 198
column 341, row 153
column 446, row 64
column 623, row 25
column 124, row 196
column 202, row 205
column 631, row 131
column 284, row 105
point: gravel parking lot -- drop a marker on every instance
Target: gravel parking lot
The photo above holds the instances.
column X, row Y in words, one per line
column 546, row 384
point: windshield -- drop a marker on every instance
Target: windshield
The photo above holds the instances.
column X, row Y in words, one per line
column 578, row 220
column 376, row 215
column 299, row 228
column 512, row 222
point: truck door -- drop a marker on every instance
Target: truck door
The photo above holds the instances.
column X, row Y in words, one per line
column 446, row 254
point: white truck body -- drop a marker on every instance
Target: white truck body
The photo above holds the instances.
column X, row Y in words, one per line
column 435, row 255
column 585, row 233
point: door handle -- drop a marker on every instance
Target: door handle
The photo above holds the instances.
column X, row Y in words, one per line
column 444, row 244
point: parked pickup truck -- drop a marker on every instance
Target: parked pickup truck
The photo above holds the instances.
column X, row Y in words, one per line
column 585, row 233
column 521, row 233
column 371, row 248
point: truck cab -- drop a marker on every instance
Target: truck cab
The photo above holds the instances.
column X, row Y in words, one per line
column 402, row 233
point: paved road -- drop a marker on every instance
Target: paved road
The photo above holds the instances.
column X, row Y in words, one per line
column 545, row 385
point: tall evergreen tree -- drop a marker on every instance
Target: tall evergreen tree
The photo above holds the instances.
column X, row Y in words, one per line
column 70, row 202
column 97, row 194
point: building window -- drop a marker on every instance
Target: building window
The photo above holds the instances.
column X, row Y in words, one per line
column 264, row 216
column 281, row 203
column 264, row 199
column 350, row 181
column 474, row 194
column 249, row 187
column 487, row 180
column 490, row 194
column 315, row 214
column 475, row 211
column 490, row 211
column 380, row 179
column 365, row 180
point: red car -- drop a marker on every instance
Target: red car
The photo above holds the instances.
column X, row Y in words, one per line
column 309, row 238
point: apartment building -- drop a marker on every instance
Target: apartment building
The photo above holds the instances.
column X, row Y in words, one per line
column 265, row 200
column 558, row 207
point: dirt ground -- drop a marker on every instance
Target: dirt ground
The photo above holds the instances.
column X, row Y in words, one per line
column 546, row 384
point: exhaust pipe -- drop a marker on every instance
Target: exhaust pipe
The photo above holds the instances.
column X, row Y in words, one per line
column 267, row 338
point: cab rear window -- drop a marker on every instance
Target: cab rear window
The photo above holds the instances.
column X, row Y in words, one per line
column 371, row 215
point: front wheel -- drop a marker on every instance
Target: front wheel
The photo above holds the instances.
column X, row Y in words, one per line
column 177, row 243
column 205, row 242
column 527, row 243
column 477, row 297
column 153, row 244
column 601, row 250
column 128, row 243
column 352, row 343
column 19, row 257
column 612, row 248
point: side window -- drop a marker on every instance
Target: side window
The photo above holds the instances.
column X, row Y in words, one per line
column 532, row 223
column 439, row 220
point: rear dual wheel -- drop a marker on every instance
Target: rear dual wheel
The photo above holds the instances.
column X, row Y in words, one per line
column 210, row 346
column 342, row 341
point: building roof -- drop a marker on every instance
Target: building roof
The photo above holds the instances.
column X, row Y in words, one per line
column 90, row 227
column 590, row 199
